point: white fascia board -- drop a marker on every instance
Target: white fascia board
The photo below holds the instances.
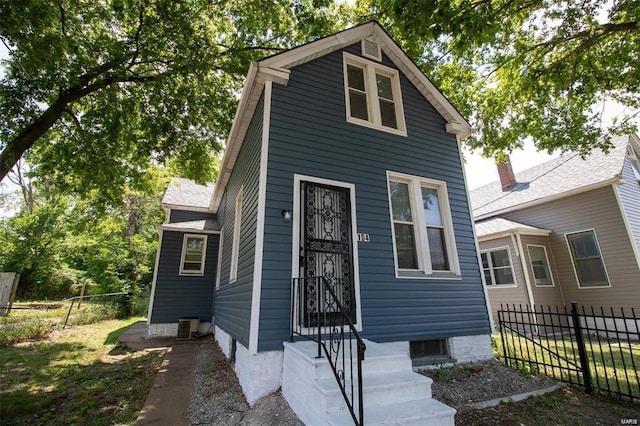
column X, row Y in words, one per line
column 611, row 181
column 168, row 227
column 186, row 208
column 514, row 231
column 321, row 47
column 258, row 75
column 238, row 129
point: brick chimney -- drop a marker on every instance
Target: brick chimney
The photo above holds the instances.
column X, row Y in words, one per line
column 505, row 171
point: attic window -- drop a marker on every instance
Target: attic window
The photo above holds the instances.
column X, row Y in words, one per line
column 371, row 49
column 372, row 95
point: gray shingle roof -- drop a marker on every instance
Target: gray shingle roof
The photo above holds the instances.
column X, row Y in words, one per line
column 498, row 225
column 187, row 193
column 564, row 174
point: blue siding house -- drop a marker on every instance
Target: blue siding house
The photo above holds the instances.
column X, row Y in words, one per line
column 343, row 161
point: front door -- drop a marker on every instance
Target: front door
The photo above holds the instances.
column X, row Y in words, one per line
column 326, row 249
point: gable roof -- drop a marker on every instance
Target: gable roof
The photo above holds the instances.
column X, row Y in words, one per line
column 187, row 193
column 276, row 68
column 561, row 177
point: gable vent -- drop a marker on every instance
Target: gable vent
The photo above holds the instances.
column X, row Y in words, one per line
column 371, row 49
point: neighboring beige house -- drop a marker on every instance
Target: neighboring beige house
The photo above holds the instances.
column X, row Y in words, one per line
column 566, row 230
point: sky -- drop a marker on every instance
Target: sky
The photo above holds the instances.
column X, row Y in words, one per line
column 481, row 171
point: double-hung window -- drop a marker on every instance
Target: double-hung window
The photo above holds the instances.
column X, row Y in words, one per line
column 540, row 265
column 587, row 259
column 193, row 254
column 422, row 227
column 496, row 266
column 372, row 95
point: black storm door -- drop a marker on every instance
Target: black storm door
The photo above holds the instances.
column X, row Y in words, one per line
column 326, row 250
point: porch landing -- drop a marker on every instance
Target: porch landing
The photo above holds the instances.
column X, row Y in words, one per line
column 392, row 392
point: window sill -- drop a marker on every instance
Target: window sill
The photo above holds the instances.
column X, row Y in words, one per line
column 194, row 274
column 502, row 286
column 419, row 275
column 371, row 125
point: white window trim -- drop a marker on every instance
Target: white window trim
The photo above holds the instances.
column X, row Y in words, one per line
column 373, row 107
column 199, row 272
column 235, row 248
column 422, row 244
column 546, row 258
column 219, row 268
column 573, row 261
column 513, row 271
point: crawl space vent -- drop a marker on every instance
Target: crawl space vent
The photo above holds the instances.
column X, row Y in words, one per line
column 371, row 49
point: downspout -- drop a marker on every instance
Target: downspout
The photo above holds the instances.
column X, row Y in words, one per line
column 525, row 270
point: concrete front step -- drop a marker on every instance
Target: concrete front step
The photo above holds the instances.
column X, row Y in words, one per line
column 379, row 389
column 422, row 412
column 377, row 359
column 392, row 392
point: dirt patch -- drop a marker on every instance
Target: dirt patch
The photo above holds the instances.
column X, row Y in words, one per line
column 566, row 406
column 465, row 384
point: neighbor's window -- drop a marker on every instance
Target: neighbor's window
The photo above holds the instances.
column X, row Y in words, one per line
column 422, row 226
column 193, row 252
column 235, row 248
column 372, row 93
column 540, row 265
column 587, row 259
column 496, row 266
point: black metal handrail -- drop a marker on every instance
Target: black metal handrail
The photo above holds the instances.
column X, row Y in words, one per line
column 318, row 314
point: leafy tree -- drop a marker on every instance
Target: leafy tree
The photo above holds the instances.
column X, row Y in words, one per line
column 32, row 245
column 521, row 68
column 100, row 90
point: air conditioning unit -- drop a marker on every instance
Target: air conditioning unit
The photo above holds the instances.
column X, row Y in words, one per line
column 187, row 327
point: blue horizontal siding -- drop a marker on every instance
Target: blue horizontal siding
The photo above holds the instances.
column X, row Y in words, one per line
column 233, row 300
column 177, row 296
column 309, row 135
column 188, row 215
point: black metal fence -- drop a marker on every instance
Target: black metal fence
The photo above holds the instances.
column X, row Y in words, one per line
column 595, row 348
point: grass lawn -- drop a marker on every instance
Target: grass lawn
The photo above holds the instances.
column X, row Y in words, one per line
column 75, row 376
column 613, row 366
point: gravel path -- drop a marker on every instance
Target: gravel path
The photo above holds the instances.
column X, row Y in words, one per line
column 217, row 398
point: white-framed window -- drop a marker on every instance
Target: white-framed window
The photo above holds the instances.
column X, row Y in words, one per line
column 422, row 228
column 372, row 95
column 588, row 264
column 496, row 267
column 194, row 250
column 235, row 248
column 540, row 265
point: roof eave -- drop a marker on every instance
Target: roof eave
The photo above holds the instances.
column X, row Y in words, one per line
column 611, row 181
column 515, row 231
column 184, row 207
column 168, row 227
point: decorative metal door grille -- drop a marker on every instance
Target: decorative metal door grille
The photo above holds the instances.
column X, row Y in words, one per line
column 327, row 249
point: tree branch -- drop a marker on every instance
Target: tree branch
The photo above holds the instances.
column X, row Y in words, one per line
column 16, row 147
